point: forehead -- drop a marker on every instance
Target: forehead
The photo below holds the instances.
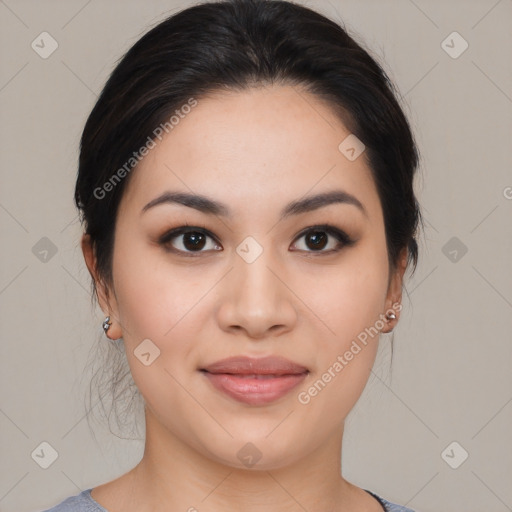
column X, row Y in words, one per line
column 265, row 145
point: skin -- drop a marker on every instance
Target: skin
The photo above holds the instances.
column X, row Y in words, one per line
column 255, row 151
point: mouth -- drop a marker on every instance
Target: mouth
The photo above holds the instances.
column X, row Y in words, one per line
column 255, row 381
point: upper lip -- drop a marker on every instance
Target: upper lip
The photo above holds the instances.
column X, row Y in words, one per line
column 243, row 365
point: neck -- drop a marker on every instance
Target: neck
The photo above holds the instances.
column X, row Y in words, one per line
column 183, row 478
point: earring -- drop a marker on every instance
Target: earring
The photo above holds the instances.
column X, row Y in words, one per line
column 390, row 316
column 106, row 324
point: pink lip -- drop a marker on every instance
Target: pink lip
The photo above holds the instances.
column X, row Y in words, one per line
column 274, row 365
column 255, row 381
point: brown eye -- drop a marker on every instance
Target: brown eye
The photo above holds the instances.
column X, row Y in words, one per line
column 323, row 239
column 316, row 239
column 188, row 240
column 194, row 240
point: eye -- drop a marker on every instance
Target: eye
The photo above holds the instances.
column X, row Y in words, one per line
column 189, row 239
column 317, row 238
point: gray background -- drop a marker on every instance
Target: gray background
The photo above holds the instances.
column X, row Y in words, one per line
column 451, row 376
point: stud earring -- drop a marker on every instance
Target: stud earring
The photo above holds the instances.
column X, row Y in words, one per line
column 391, row 316
column 106, row 324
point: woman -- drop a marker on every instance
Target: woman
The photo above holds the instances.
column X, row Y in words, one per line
column 246, row 188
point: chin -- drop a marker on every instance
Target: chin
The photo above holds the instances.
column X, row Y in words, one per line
column 253, row 453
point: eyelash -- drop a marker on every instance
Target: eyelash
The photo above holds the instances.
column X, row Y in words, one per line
column 344, row 240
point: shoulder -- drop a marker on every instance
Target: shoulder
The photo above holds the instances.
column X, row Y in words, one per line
column 82, row 502
column 388, row 506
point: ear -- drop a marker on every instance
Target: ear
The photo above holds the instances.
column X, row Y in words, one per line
column 394, row 295
column 107, row 303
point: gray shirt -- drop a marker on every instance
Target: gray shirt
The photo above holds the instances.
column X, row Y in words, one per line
column 84, row 502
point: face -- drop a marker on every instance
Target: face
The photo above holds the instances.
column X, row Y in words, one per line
column 254, row 277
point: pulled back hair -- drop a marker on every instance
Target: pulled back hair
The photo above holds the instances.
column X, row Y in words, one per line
column 234, row 45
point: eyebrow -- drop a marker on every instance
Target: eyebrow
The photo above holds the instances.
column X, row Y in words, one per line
column 210, row 206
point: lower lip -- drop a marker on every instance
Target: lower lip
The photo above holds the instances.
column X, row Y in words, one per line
column 254, row 391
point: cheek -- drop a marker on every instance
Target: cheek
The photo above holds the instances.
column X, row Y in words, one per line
column 166, row 304
column 152, row 296
column 350, row 301
column 345, row 358
column 348, row 297
column 156, row 303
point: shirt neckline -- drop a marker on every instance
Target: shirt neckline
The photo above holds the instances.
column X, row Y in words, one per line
column 87, row 494
column 379, row 499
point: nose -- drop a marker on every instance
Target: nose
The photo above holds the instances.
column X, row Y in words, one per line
column 256, row 298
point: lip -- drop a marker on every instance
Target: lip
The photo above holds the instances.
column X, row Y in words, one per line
column 255, row 381
column 244, row 365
